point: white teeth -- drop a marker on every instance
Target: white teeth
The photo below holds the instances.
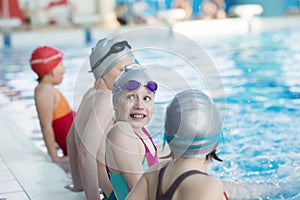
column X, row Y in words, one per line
column 138, row 116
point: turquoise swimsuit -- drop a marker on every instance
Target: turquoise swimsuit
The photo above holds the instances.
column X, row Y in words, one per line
column 119, row 182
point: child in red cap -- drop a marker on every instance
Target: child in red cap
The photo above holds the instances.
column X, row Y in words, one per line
column 54, row 112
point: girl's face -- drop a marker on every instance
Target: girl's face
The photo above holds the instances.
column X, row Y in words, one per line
column 58, row 73
column 135, row 107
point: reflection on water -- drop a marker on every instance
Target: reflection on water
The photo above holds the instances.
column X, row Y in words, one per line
column 260, row 74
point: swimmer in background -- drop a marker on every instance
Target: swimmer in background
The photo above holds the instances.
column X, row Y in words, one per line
column 213, row 9
column 129, row 147
column 192, row 129
column 185, row 5
column 54, row 113
column 95, row 115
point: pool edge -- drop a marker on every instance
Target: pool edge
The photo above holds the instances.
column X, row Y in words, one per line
column 38, row 177
column 191, row 28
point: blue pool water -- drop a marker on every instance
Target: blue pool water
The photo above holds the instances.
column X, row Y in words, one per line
column 260, row 75
column 261, row 129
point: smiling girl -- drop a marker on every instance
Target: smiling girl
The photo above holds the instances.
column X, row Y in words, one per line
column 129, row 147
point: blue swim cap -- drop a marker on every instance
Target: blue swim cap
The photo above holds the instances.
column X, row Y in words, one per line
column 192, row 124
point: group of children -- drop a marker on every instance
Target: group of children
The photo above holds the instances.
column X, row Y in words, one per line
column 106, row 142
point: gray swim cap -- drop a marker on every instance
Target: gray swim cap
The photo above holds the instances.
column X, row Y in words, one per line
column 192, row 124
column 106, row 54
column 130, row 72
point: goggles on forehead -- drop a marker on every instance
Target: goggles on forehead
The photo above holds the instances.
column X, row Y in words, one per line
column 133, row 85
column 115, row 48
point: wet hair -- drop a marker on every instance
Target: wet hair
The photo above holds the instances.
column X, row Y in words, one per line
column 39, row 79
column 213, row 155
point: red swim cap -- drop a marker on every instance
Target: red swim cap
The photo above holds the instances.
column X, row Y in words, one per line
column 44, row 59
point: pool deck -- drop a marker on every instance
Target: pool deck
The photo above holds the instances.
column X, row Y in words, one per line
column 25, row 171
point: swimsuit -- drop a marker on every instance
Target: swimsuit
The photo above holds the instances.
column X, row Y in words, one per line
column 62, row 120
column 119, row 182
column 170, row 192
column 150, row 159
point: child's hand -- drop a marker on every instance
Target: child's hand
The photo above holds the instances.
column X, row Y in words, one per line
column 72, row 188
column 63, row 159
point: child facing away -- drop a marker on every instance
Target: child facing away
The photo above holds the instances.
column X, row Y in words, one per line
column 86, row 139
column 54, row 113
column 192, row 129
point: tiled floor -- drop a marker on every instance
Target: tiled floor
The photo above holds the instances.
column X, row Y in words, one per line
column 9, row 186
column 25, row 171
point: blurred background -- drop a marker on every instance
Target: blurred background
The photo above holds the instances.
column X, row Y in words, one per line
column 110, row 13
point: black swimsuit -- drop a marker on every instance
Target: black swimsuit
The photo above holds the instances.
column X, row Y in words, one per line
column 170, row 192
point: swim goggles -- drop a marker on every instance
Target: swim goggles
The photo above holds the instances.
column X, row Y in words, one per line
column 133, row 85
column 115, row 48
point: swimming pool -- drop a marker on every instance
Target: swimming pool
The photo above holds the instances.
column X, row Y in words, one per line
column 260, row 75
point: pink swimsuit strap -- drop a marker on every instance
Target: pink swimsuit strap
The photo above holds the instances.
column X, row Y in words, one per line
column 152, row 159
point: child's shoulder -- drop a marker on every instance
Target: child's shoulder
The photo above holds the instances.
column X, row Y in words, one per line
column 120, row 131
column 44, row 89
column 123, row 127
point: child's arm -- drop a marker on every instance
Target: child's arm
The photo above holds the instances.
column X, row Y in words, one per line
column 123, row 153
column 140, row 190
column 76, row 185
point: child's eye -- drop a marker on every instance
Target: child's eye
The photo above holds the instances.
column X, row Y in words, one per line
column 147, row 98
column 130, row 97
